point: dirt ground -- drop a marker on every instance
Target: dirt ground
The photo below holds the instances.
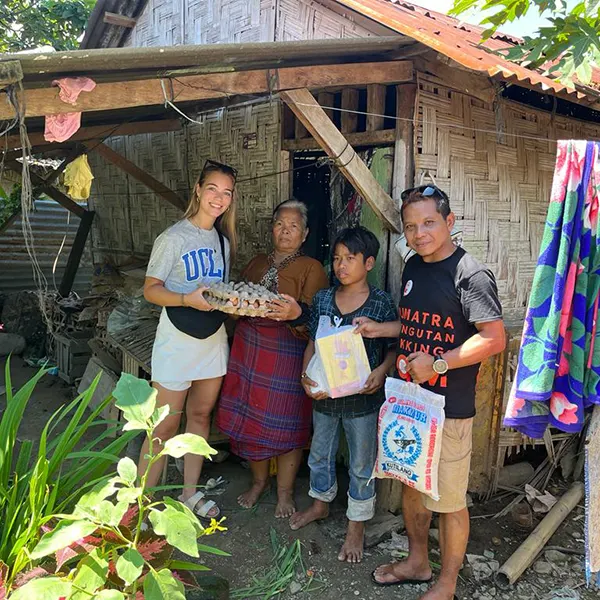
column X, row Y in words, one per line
column 247, row 538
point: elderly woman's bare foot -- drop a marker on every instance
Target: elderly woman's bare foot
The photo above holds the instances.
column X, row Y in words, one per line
column 286, row 506
column 318, row 510
column 352, row 550
column 250, row 498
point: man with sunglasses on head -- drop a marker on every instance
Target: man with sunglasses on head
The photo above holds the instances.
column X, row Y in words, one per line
column 450, row 321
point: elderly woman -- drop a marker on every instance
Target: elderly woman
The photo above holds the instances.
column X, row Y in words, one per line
column 263, row 408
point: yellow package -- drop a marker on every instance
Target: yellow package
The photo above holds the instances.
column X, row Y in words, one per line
column 343, row 358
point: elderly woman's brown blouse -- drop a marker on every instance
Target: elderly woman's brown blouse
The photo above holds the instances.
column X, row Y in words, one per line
column 301, row 279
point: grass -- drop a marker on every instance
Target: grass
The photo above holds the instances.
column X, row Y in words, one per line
column 285, row 567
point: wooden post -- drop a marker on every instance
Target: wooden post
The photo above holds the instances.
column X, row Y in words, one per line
column 132, row 169
column 349, row 103
column 306, row 108
column 326, row 99
column 403, row 174
column 10, row 72
column 375, row 106
column 66, row 285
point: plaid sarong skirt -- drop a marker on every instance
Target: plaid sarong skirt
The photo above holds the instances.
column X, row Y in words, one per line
column 263, row 408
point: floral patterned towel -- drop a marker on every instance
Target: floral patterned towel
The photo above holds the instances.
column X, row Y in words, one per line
column 558, row 373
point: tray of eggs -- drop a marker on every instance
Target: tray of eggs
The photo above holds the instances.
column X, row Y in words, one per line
column 241, row 298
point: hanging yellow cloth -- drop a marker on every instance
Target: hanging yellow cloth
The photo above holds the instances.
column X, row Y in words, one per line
column 78, row 178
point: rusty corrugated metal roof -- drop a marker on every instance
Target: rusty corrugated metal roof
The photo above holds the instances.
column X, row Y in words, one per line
column 460, row 42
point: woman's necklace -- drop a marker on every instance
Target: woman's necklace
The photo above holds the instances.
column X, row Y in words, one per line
column 270, row 279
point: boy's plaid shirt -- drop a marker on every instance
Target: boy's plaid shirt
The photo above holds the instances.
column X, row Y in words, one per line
column 379, row 307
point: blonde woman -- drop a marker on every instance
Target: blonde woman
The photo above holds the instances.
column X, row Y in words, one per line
column 190, row 353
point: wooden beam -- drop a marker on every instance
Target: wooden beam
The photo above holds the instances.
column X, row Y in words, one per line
column 41, row 185
column 98, row 132
column 66, row 285
column 306, row 108
column 326, row 99
column 142, row 176
column 119, row 20
column 375, row 106
column 349, row 103
column 385, row 137
column 148, row 92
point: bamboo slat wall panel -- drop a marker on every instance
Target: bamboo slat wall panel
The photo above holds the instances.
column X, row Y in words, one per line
column 499, row 177
column 306, row 20
column 172, row 22
column 130, row 216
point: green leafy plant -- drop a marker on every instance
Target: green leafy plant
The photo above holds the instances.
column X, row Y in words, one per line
column 568, row 48
column 10, row 204
column 28, row 24
column 35, row 484
column 118, row 542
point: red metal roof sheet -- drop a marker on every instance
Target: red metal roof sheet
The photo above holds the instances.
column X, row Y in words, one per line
column 460, row 42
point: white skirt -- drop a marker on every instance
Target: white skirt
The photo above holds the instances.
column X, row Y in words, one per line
column 178, row 359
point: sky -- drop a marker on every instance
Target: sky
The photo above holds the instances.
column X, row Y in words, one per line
column 525, row 26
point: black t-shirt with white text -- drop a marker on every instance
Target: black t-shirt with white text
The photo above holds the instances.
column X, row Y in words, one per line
column 440, row 304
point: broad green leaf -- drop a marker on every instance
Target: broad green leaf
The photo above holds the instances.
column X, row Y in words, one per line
column 135, row 397
column 91, row 576
column 127, row 470
column 185, row 565
column 129, row 495
column 160, row 414
column 44, row 588
column 134, row 425
column 109, row 595
column 90, row 502
column 162, row 585
column 65, row 533
column 130, row 565
column 187, row 443
column 179, row 529
column 182, row 508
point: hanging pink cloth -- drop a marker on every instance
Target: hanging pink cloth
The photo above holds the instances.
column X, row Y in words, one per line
column 62, row 126
column 71, row 87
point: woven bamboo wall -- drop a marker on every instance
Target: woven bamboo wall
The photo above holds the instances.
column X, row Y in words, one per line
column 499, row 182
column 130, row 216
column 172, row 22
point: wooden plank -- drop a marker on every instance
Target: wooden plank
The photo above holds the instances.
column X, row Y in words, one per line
column 213, row 56
column 148, row 92
column 286, row 181
column 119, row 20
column 326, row 99
column 41, row 185
column 384, row 137
column 349, row 103
column 98, row 132
column 66, row 285
column 403, row 174
column 375, row 106
column 142, row 176
column 306, row 108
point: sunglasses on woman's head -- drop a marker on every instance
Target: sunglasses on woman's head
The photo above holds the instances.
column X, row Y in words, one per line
column 221, row 167
column 424, row 190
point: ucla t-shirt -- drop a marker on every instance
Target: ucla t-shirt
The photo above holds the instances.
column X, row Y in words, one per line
column 186, row 257
column 439, row 306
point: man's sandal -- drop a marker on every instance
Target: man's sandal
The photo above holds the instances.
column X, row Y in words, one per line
column 399, row 581
column 201, row 509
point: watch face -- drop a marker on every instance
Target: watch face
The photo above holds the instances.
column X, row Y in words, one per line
column 440, row 366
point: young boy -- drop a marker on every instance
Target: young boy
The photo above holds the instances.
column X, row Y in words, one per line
column 354, row 254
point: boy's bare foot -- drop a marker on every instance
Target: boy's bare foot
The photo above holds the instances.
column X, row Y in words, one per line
column 352, row 550
column 286, row 506
column 250, row 498
column 402, row 572
column 318, row 510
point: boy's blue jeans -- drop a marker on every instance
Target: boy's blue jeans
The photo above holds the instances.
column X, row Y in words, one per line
column 361, row 434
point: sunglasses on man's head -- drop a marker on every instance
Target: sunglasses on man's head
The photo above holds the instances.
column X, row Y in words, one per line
column 220, row 166
column 424, row 190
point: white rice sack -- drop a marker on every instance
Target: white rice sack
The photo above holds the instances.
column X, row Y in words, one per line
column 409, row 437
